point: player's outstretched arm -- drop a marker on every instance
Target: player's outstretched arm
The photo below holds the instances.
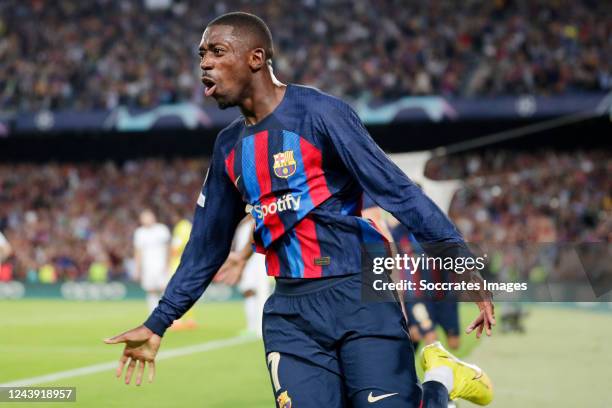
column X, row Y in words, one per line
column 141, row 346
column 393, row 191
column 219, row 209
column 387, row 184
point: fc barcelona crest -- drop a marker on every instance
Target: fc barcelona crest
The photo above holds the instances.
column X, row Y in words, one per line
column 284, row 164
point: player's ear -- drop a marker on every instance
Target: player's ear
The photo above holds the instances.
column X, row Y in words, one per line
column 257, row 59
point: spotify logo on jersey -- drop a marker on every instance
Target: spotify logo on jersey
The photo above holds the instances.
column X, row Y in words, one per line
column 285, row 203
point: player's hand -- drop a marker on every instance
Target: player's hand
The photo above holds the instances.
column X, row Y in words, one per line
column 231, row 271
column 485, row 320
column 141, row 346
column 486, row 316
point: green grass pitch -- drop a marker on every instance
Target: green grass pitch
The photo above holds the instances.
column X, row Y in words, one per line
column 562, row 349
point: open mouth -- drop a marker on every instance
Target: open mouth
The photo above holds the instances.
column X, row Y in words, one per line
column 210, row 86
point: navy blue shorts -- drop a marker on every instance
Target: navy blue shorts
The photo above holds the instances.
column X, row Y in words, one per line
column 327, row 348
column 446, row 314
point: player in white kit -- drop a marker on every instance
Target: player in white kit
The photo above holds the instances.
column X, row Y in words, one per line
column 5, row 248
column 152, row 256
column 248, row 269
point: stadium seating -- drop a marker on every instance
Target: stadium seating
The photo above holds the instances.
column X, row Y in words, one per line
column 98, row 54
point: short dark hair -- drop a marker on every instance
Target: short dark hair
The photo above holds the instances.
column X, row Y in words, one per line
column 251, row 25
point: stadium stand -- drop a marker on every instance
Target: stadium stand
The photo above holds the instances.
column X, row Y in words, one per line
column 98, row 54
column 63, row 218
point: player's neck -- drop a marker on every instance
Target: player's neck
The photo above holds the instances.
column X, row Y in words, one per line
column 265, row 95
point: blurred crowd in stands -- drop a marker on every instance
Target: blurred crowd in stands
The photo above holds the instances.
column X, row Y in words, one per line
column 98, row 54
column 545, row 196
column 73, row 221
column 537, row 215
column 76, row 221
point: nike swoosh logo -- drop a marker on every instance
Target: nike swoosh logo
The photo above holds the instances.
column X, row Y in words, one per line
column 372, row 399
column 237, row 178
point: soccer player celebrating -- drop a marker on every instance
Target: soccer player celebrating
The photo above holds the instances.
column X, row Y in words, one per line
column 301, row 160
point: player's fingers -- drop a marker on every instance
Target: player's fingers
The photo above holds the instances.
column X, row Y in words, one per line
column 470, row 328
column 140, row 372
column 221, row 274
column 223, row 278
column 151, row 371
column 229, row 278
column 233, row 279
column 487, row 326
column 117, row 339
column 490, row 312
column 122, row 362
column 474, row 324
column 130, row 371
column 479, row 331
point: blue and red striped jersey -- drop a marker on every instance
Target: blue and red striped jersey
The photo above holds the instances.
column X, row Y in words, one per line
column 301, row 172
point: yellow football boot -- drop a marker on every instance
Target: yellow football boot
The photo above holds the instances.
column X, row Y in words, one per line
column 469, row 382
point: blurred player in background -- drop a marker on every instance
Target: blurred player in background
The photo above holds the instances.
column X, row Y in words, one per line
column 371, row 211
column 301, row 160
column 5, row 248
column 152, row 256
column 247, row 269
column 380, row 218
column 423, row 315
column 426, row 311
column 180, row 236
